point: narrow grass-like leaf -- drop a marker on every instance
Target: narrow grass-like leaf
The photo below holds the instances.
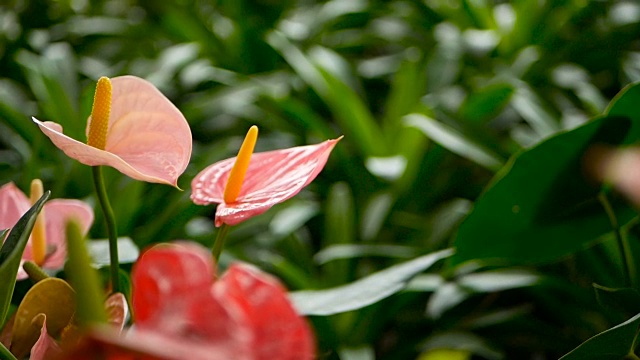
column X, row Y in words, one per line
column 11, row 253
column 612, row 344
column 84, row 279
column 454, row 141
column 365, row 291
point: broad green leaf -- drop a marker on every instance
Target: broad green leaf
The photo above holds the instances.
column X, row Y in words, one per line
column 612, row 344
column 3, row 233
column 11, row 254
column 365, row 291
column 541, row 205
column 454, row 141
column 84, row 279
column 52, row 297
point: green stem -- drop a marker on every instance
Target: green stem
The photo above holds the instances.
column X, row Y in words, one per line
column 218, row 244
column 5, row 354
column 112, row 230
column 628, row 264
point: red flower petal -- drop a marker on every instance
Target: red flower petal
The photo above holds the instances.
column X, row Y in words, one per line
column 168, row 273
column 278, row 331
column 272, row 177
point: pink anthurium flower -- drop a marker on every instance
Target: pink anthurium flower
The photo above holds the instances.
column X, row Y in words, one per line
column 134, row 128
column 245, row 314
column 57, row 212
column 267, row 178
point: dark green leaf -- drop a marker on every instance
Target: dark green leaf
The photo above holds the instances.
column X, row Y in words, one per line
column 621, row 299
column 612, row 344
column 365, row 291
column 11, row 253
column 541, row 205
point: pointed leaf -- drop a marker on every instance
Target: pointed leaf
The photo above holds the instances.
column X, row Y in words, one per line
column 612, row 344
column 365, row 291
column 11, row 253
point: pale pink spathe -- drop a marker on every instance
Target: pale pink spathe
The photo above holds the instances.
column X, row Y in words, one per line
column 148, row 138
column 272, row 177
column 14, row 203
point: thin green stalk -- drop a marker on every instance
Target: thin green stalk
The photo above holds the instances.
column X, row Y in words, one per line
column 628, row 264
column 5, row 354
column 112, row 230
column 218, row 244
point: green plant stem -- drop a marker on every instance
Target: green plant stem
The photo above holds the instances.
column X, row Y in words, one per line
column 112, row 230
column 218, row 244
column 632, row 356
column 5, row 354
column 628, row 264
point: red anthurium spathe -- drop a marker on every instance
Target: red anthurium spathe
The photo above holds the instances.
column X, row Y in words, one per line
column 271, row 177
column 245, row 313
column 141, row 133
column 57, row 212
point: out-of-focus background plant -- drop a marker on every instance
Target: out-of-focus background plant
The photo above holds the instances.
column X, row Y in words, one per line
column 433, row 97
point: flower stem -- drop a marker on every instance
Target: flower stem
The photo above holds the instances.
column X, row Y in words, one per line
column 628, row 264
column 5, row 353
column 218, row 244
column 112, row 230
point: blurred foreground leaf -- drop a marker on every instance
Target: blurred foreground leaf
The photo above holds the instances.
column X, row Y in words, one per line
column 11, row 254
column 365, row 291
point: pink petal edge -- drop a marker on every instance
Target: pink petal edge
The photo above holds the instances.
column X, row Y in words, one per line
column 148, row 137
column 272, row 177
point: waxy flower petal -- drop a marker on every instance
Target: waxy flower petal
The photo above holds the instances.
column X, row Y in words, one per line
column 148, row 138
column 14, row 203
column 246, row 313
column 272, row 177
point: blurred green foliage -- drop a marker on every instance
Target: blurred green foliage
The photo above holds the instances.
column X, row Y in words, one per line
column 433, row 98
